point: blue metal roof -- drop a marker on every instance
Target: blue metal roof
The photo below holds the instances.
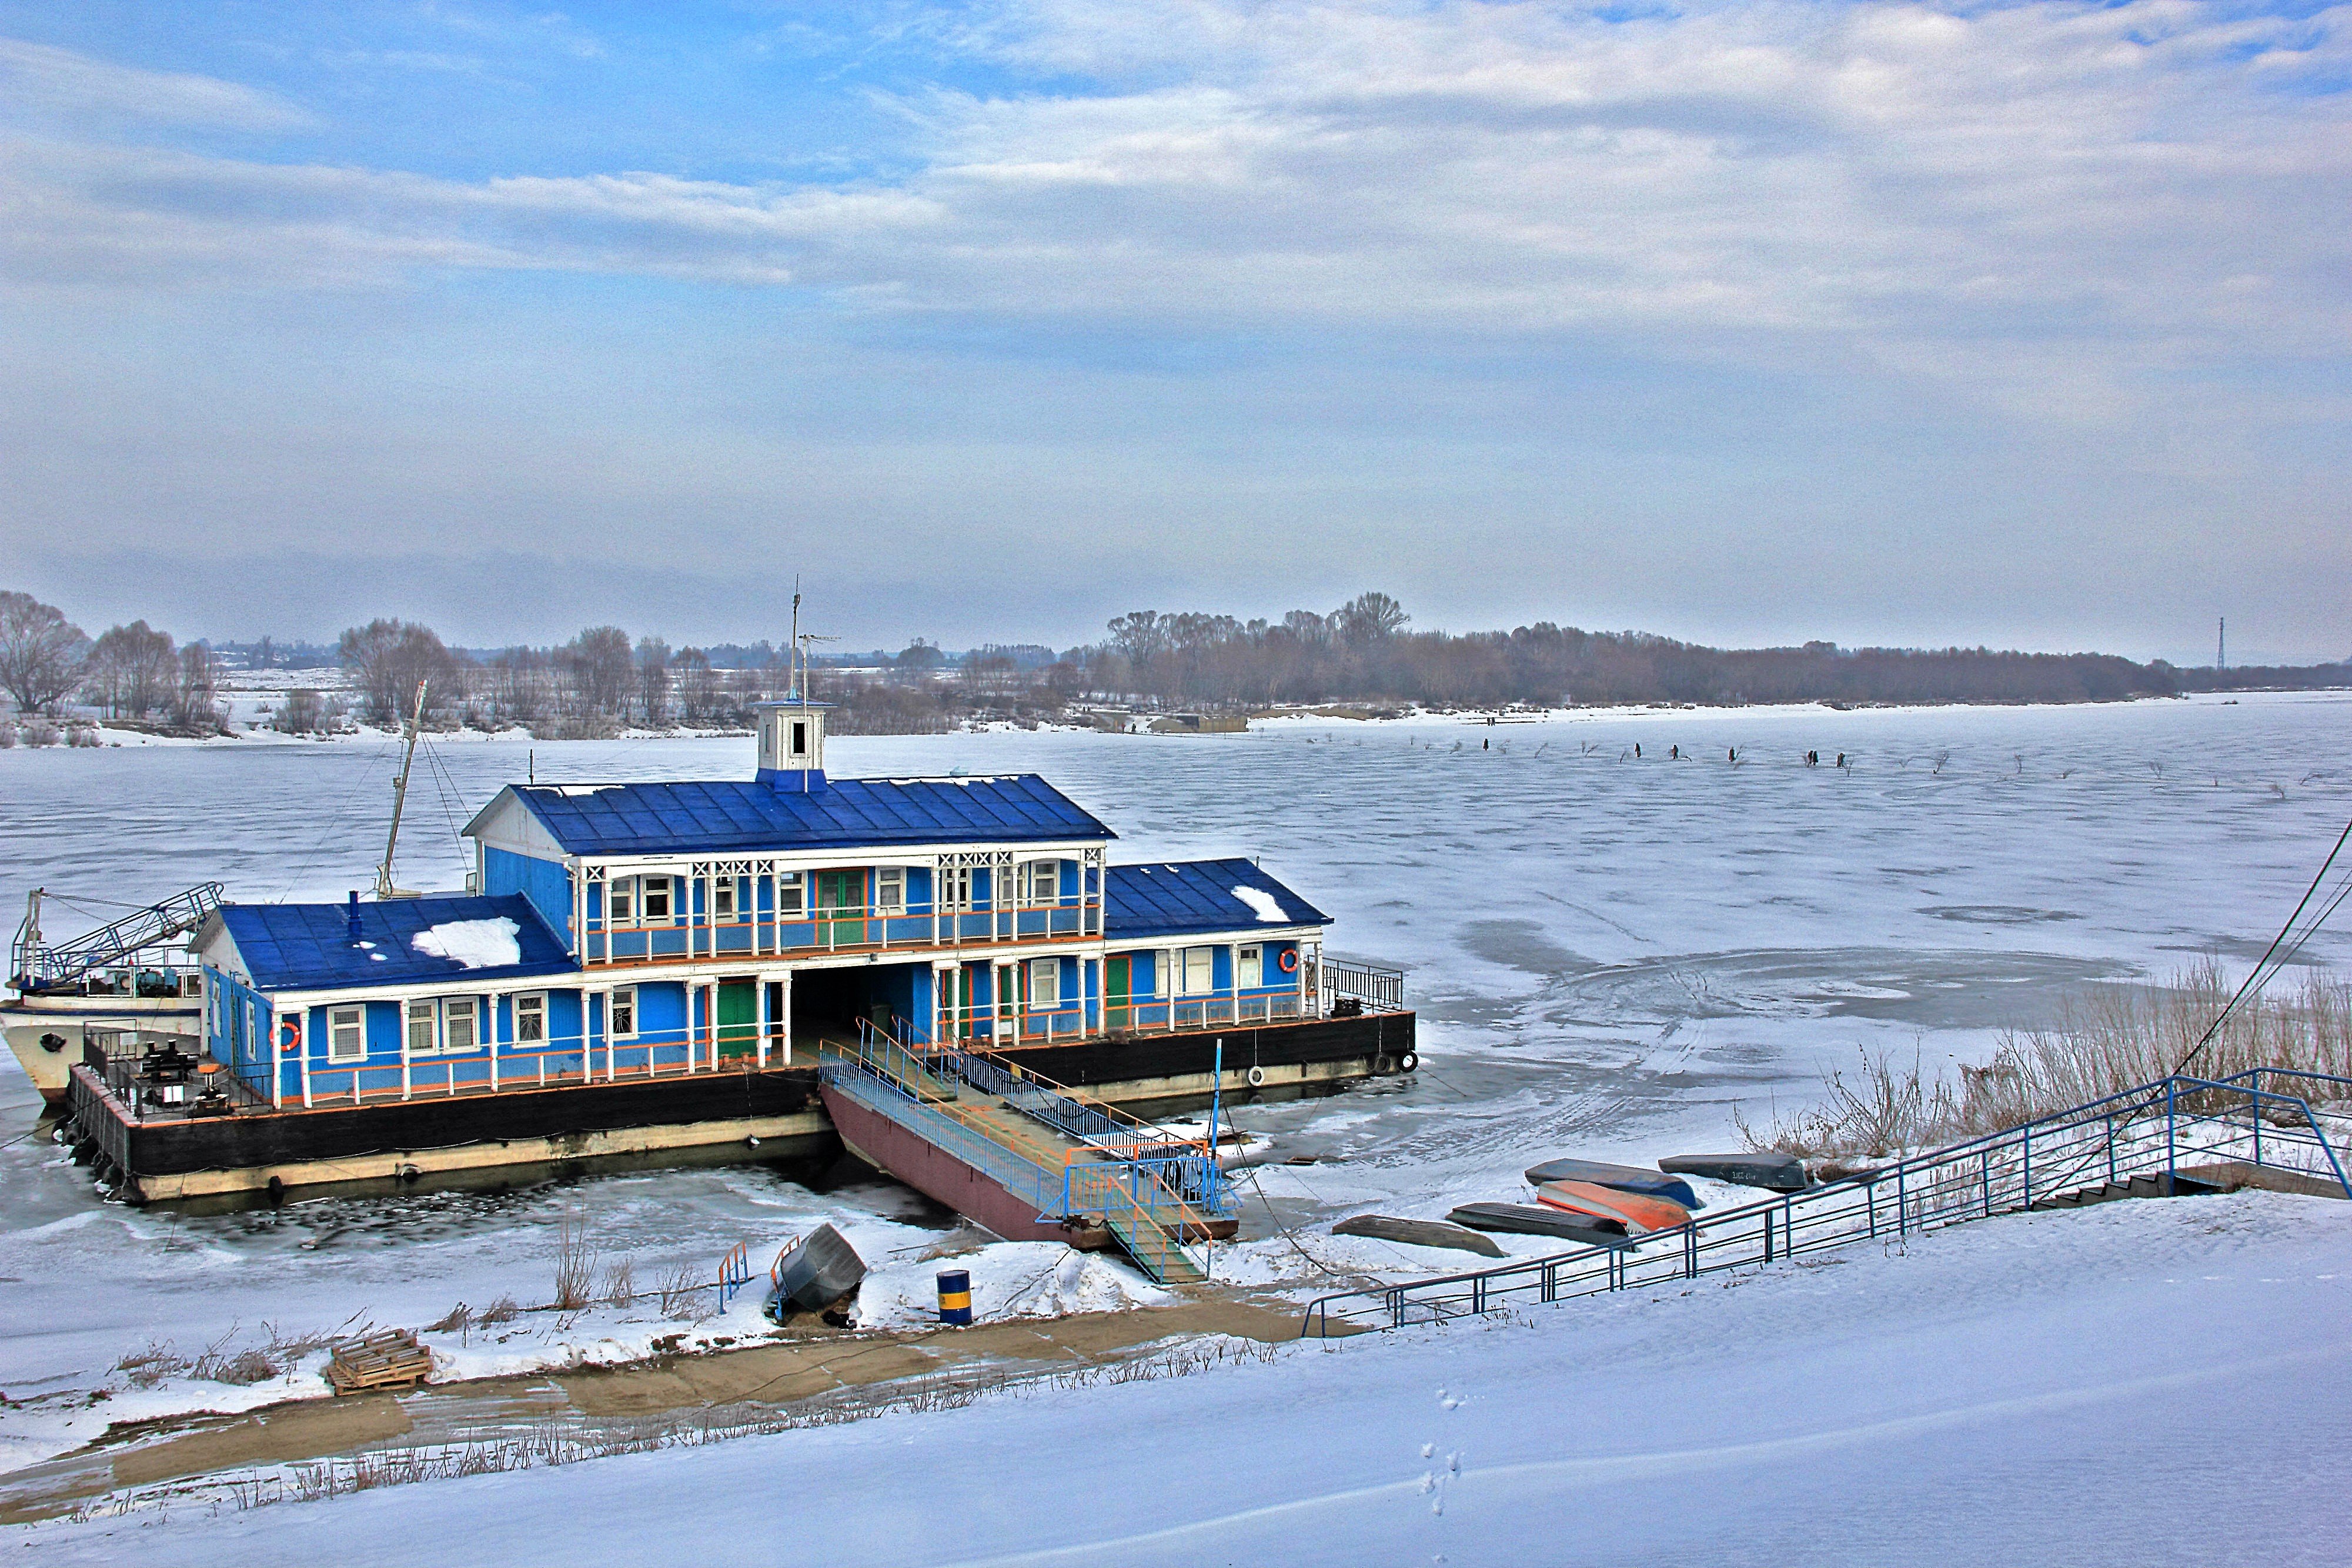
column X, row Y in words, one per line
column 308, row 947
column 1184, row 898
column 846, row 814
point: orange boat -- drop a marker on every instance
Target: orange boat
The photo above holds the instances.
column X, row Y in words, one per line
column 1637, row 1212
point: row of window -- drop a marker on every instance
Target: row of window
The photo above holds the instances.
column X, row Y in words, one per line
column 449, row 1026
column 661, row 900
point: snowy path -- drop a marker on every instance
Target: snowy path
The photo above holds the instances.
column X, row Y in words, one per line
column 2146, row 1383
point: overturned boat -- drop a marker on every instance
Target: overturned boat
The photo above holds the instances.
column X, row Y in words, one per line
column 1768, row 1168
column 1636, row 1213
column 1531, row 1219
column 1626, row 1179
column 813, row 1274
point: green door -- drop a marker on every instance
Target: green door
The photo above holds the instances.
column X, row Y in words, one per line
column 841, row 891
column 739, row 1018
column 1115, row 989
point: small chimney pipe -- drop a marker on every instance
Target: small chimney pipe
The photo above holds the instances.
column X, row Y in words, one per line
column 352, row 923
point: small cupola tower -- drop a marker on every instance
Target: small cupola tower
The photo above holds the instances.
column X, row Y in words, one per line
column 791, row 745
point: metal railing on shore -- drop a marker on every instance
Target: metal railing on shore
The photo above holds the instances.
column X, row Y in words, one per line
column 2180, row 1129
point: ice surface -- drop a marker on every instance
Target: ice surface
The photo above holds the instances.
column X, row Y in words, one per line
column 1607, row 956
column 2145, row 1382
column 477, row 944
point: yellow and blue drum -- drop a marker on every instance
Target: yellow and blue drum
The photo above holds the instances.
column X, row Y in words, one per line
column 955, row 1296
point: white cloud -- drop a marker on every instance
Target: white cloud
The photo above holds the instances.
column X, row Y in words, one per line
column 37, row 79
column 2052, row 202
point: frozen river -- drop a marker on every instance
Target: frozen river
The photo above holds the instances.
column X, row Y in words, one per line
column 1607, row 954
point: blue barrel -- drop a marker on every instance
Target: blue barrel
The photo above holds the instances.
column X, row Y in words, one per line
column 955, row 1296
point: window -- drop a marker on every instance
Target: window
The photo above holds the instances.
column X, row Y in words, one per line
column 1045, row 982
column 955, row 887
column 530, row 1021
column 1041, row 882
column 1249, row 967
column 461, row 1023
column 621, row 903
column 723, row 899
column 789, row 897
column 890, row 890
column 621, row 1022
column 422, row 1036
column 800, row 738
column 1200, row 971
column 346, row 1034
column 656, row 900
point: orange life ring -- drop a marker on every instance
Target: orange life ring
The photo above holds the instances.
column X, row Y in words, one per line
column 293, row 1027
column 1288, row 961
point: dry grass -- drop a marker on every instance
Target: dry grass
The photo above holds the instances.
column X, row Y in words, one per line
column 619, row 1284
column 274, row 1356
column 2109, row 1041
column 575, row 1265
column 502, row 1310
column 686, row 1295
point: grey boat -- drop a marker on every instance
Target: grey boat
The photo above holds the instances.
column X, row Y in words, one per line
column 813, row 1274
column 1531, row 1219
column 1770, row 1169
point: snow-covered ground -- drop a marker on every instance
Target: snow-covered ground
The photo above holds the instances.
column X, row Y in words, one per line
column 2141, row 1383
column 1608, row 954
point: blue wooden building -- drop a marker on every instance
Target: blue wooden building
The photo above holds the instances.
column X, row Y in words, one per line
column 627, row 933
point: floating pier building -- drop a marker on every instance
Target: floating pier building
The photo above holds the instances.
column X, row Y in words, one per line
column 640, row 968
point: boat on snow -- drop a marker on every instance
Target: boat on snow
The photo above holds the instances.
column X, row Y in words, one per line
column 1626, row 1179
column 1770, row 1169
column 1638, row 1213
column 812, row 1274
column 1533, row 1219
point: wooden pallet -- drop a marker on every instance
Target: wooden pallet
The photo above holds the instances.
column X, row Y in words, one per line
column 389, row 1359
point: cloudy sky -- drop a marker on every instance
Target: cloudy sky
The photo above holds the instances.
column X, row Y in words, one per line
column 1741, row 320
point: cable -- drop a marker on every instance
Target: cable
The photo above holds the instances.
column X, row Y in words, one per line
column 2256, row 979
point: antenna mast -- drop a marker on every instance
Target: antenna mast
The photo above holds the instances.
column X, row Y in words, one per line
column 2221, row 645
column 383, row 887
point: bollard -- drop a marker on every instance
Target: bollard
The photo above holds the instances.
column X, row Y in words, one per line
column 955, row 1297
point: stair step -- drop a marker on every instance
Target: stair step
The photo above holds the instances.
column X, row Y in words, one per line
column 2135, row 1186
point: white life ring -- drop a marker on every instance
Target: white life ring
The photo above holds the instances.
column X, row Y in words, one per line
column 1408, row 1062
column 1257, row 1076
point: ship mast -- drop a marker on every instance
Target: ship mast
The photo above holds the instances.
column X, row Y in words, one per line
column 384, row 886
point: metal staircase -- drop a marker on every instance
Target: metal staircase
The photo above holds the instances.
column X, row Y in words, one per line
column 1070, row 1157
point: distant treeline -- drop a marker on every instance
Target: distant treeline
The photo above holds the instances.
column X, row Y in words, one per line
column 1364, row 653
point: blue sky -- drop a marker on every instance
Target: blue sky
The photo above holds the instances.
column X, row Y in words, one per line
column 1743, row 322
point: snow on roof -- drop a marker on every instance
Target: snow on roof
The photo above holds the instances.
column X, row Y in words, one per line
column 1177, row 898
column 475, row 944
column 305, row 946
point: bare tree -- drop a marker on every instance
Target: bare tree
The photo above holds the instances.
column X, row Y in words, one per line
column 697, row 686
column 653, row 679
column 41, row 652
column 195, row 708
column 1369, row 618
column 388, row 658
column 600, row 668
column 132, row 670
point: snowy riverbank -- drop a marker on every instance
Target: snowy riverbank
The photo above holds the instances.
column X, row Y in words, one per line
column 2147, row 1382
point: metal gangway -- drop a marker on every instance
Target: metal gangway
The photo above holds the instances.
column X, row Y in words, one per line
column 35, row 965
column 1065, row 1155
column 2172, row 1137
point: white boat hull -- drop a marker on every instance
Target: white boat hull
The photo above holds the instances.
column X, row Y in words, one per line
column 33, row 1023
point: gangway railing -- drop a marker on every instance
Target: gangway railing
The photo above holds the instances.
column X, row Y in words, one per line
column 2181, row 1129
column 1375, row 986
column 35, row 965
column 1155, row 1184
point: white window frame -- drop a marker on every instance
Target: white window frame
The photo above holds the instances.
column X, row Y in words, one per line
column 792, row 894
column 646, row 916
column 424, row 1011
column 1249, row 967
column 622, row 1001
column 951, row 889
column 471, row 1010
column 889, row 890
column 620, row 902
column 341, row 1019
column 725, row 902
column 530, row 1005
column 1051, row 969
column 1040, row 883
column 1208, row 987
